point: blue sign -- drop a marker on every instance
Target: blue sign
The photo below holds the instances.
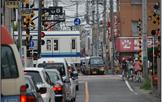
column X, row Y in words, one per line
column 77, row 21
column 31, row 44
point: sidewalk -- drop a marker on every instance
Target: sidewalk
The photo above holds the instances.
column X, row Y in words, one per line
column 147, row 93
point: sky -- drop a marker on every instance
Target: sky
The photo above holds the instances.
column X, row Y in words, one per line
column 70, row 10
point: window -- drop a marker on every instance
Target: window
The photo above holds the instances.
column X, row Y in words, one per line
column 134, row 28
column 8, row 63
column 59, row 66
column 73, row 44
column 48, row 45
column 46, row 77
column 55, row 45
column 35, row 75
column 53, row 76
column 136, row 1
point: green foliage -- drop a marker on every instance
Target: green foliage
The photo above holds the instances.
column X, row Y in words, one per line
column 146, row 85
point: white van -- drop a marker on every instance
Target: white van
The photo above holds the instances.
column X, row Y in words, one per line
column 54, row 63
column 13, row 87
column 61, row 65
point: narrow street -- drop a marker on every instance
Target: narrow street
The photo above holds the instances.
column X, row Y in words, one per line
column 110, row 88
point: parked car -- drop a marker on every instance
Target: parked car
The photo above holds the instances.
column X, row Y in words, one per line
column 33, row 93
column 12, row 79
column 59, row 85
column 61, row 65
column 42, row 79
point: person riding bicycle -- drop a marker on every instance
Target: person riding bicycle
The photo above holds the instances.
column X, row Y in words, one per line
column 124, row 68
column 130, row 69
column 138, row 70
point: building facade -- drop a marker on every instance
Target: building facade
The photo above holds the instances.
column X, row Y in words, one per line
column 130, row 11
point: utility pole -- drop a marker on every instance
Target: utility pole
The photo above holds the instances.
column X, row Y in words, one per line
column 39, row 28
column 104, row 32
column 77, row 14
column 19, row 27
column 87, row 12
column 144, row 36
column 112, row 35
column 98, row 30
column 93, row 29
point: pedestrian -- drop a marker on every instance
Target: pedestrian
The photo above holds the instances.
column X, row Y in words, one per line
column 138, row 71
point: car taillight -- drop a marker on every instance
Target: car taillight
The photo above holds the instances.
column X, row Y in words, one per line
column 31, row 99
column 23, row 98
column 23, row 93
column 57, row 88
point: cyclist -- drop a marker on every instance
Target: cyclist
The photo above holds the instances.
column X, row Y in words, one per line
column 124, row 68
column 130, row 70
column 138, row 70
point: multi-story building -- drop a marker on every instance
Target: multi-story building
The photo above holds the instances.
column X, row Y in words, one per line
column 130, row 11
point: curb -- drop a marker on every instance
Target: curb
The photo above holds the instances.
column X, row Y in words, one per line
column 148, row 93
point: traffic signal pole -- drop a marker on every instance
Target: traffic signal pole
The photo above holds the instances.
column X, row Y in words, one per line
column 19, row 27
column 39, row 28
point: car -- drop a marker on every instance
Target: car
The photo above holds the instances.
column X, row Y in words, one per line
column 96, row 65
column 12, row 79
column 62, row 66
column 74, row 75
column 33, row 93
column 42, row 79
column 59, row 85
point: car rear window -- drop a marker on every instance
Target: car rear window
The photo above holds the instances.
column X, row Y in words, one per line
column 35, row 75
column 97, row 60
column 53, row 76
column 8, row 63
column 59, row 66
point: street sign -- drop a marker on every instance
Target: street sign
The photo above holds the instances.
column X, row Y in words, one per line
column 31, row 46
column 77, row 21
column 26, row 12
column 55, row 10
column 57, row 18
column 87, row 27
column 11, row 3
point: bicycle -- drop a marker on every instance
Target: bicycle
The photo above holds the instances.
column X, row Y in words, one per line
column 138, row 77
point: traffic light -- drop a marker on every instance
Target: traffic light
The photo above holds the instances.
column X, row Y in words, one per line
column 140, row 56
column 153, row 32
column 26, row 3
column 42, row 36
column 156, row 13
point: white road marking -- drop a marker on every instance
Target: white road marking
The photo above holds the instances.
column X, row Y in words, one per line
column 130, row 88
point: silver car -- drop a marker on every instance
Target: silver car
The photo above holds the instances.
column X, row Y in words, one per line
column 42, row 80
column 58, row 84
